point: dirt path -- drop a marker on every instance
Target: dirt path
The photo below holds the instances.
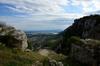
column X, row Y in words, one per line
column 44, row 52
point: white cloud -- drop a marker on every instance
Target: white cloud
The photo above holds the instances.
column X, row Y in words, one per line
column 42, row 13
column 37, row 22
column 51, row 7
column 96, row 4
column 87, row 5
column 37, row 6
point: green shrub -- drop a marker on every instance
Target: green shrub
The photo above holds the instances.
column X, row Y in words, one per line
column 75, row 40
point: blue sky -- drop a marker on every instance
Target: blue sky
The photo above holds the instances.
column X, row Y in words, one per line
column 45, row 14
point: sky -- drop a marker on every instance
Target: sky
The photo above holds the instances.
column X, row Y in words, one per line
column 45, row 14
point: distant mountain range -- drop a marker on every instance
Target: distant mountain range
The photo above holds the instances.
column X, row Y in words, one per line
column 43, row 31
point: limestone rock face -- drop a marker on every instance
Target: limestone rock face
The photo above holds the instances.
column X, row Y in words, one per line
column 85, row 27
column 21, row 36
column 87, row 51
column 12, row 37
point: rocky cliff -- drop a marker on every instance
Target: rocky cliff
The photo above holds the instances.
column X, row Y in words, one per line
column 86, row 48
column 87, row 27
column 12, row 38
column 85, row 51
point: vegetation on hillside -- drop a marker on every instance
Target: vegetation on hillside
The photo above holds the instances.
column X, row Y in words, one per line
column 16, row 57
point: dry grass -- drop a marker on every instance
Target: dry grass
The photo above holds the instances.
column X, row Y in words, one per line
column 15, row 57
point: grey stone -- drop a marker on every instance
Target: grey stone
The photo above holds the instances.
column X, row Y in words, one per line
column 60, row 64
column 12, row 37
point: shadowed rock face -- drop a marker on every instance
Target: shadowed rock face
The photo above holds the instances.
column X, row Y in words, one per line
column 87, row 48
column 86, row 27
column 13, row 38
column 86, row 51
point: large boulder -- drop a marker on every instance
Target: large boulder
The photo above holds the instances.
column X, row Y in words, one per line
column 13, row 38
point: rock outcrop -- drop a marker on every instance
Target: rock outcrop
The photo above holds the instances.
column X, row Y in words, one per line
column 87, row 48
column 13, row 38
column 86, row 51
column 87, row 27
